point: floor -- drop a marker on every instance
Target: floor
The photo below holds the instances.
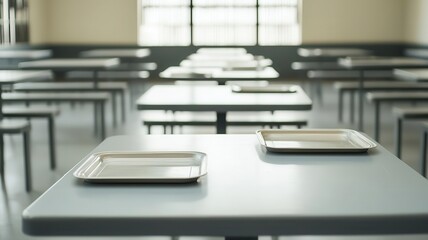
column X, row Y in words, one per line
column 75, row 138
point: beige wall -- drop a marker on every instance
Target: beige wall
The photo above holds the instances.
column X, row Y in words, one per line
column 84, row 21
column 38, row 21
column 352, row 21
column 323, row 21
column 416, row 22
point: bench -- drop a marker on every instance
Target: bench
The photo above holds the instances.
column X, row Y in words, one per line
column 379, row 97
column 17, row 127
column 115, row 88
column 192, row 119
column 99, row 99
column 38, row 112
column 409, row 113
column 353, row 87
column 128, row 76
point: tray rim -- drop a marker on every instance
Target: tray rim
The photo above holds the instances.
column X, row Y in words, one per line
column 262, row 141
column 90, row 158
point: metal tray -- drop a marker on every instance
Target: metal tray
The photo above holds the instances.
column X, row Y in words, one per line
column 314, row 140
column 264, row 89
column 143, row 167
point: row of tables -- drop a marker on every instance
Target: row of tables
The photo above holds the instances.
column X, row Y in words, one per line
column 247, row 193
column 359, row 60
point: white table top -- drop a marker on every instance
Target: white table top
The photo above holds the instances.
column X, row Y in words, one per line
column 211, row 73
column 228, row 64
column 219, row 99
column 70, row 63
column 381, row 62
column 220, row 57
column 332, row 52
column 420, row 75
column 116, row 53
column 222, row 51
column 247, row 192
column 21, row 54
column 16, row 76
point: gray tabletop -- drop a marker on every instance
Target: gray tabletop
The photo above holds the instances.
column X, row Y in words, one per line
column 209, row 73
column 247, row 192
column 380, row 63
column 16, row 76
column 66, row 64
column 23, row 54
column 419, row 75
column 116, row 53
column 332, row 52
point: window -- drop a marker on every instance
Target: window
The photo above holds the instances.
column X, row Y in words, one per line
column 13, row 21
column 219, row 22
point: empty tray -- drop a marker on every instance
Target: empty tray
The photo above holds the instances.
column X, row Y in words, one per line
column 264, row 89
column 314, row 140
column 143, row 167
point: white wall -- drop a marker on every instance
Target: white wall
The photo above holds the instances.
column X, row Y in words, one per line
column 84, row 21
column 352, row 21
column 416, row 22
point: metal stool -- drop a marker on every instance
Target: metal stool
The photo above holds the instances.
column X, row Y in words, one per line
column 17, row 127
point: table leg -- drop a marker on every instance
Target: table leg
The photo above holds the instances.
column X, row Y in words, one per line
column 1, row 103
column 377, row 121
column 361, row 101
column 424, row 152
column 221, row 123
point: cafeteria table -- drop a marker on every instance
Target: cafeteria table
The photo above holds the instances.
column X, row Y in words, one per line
column 363, row 64
column 409, row 74
column 122, row 54
column 332, row 52
column 222, row 51
column 257, row 63
column 246, row 193
column 59, row 66
column 219, row 99
column 10, row 77
column 218, row 74
column 25, row 54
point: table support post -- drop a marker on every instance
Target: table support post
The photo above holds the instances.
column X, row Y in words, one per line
column 361, row 101
column 1, row 103
column 221, row 123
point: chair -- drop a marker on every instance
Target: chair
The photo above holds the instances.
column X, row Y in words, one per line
column 17, row 127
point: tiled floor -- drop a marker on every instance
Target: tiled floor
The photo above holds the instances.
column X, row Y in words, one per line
column 75, row 139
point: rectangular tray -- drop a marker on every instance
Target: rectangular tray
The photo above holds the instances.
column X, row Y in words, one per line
column 264, row 89
column 143, row 167
column 314, row 140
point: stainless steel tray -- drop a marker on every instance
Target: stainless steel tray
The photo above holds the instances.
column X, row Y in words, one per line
column 143, row 167
column 264, row 89
column 314, row 140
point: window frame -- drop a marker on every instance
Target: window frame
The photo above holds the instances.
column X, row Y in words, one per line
column 257, row 27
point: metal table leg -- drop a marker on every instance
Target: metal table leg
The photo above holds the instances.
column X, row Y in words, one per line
column 221, row 123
